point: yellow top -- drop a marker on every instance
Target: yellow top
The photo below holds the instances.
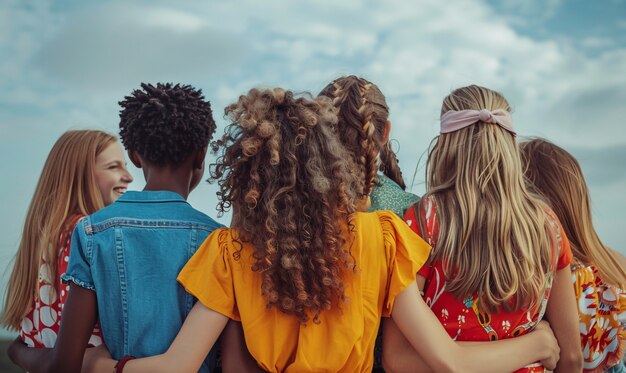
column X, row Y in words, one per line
column 388, row 255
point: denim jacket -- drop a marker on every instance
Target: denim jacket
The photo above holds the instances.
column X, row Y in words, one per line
column 130, row 254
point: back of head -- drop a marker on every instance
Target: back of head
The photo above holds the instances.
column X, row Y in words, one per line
column 289, row 182
column 66, row 186
column 166, row 123
column 363, row 114
column 556, row 175
column 494, row 236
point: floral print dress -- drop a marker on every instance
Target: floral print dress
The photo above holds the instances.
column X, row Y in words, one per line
column 466, row 320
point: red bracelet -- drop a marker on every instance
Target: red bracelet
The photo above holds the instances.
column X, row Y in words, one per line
column 120, row 364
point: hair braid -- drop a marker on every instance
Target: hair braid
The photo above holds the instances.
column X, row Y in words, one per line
column 363, row 115
column 368, row 140
column 389, row 165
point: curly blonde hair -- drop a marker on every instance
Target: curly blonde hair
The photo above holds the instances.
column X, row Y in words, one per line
column 290, row 185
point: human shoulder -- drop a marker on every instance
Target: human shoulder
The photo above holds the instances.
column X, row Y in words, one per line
column 425, row 209
column 197, row 216
column 107, row 212
column 387, row 195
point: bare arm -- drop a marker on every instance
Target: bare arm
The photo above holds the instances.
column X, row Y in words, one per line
column 428, row 337
column 191, row 346
column 562, row 312
column 27, row 358
column 80, row 313
column 399, row 355
column 235, row 355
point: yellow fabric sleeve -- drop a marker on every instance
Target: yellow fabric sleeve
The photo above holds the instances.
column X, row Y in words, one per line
column 208, row 275
column 406, row 252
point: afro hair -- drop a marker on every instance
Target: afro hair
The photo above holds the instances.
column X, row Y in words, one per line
column 166, row 123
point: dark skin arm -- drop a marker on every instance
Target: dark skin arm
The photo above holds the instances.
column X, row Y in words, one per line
column 80, row 314
column 235, row 354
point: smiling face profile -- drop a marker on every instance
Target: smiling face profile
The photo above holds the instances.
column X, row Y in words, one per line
column 112, row 176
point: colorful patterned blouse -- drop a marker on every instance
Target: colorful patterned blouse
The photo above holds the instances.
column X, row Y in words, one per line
column 466, row 320
column 41, row 325
column 602, row 315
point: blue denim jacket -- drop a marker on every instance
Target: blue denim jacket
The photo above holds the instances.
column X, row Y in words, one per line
column 130, row 254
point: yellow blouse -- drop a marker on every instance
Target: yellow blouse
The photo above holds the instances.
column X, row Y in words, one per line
column 388, row 255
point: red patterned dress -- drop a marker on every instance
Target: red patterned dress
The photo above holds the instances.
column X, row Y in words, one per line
column 41, row 325
column 466, row 320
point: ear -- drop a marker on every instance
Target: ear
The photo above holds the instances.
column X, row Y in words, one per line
column 135, row 158
column 387, row 131
column 198, row 162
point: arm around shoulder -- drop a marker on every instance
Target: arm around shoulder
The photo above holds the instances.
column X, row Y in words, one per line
column 430, row 340
column 190, row 347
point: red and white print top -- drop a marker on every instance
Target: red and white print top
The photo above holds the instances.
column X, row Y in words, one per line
column 41, row 325
column 466, row 320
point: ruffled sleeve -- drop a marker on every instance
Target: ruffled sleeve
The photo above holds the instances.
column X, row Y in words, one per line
column 79, row 267
column 208, row 274
column 406, row 254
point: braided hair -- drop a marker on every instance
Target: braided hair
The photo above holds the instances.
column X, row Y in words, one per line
column 363, row 113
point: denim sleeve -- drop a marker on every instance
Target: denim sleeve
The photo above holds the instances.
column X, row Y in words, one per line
column 79, row 268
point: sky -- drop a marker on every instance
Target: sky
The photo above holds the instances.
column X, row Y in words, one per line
column 561, row 64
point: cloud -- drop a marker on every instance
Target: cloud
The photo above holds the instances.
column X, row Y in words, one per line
column 596, row 42
column 541, row 9
column 119, row 45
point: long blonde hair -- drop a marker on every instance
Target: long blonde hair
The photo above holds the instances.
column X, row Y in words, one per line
column 555, row 174
column 66, row 186
column 495, row 238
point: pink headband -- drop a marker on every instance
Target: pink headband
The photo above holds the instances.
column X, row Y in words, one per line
column 455, row 120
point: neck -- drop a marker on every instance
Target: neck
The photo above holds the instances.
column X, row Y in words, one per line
column 175, row 180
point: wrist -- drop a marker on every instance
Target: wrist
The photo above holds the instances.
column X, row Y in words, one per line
column 544, row 344
column 119, row 366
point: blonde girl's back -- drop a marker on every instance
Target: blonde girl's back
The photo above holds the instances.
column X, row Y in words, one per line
column 498, row 252
column 599, row 272
column 67, row 190
column 474, row 178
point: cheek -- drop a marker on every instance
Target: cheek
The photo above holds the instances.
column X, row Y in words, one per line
column 105, row 182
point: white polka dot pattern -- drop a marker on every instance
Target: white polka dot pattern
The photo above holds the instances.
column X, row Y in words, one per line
column 40, row 326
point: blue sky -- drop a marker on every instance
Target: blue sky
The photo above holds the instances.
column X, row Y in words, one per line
column 65, row 64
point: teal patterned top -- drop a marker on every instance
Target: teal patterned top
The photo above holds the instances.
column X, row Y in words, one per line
column 387, row 195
